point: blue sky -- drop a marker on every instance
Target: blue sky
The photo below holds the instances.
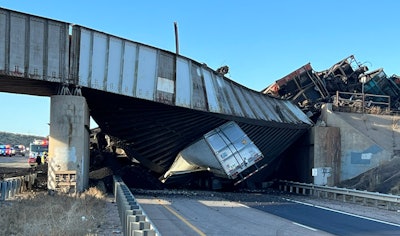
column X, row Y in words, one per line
column 261, row 41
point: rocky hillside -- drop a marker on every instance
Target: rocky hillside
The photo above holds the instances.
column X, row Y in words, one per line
column 16, row 139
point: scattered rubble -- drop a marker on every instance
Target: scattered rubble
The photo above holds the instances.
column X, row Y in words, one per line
column 348, row 84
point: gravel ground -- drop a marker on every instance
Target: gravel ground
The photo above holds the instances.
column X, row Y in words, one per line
column 113, row 227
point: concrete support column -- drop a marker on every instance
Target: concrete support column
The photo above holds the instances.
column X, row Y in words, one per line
column 326, row 163
column 68, row 142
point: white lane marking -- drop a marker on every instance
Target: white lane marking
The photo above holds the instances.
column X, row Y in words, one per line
column 305, row 226
column 342, row 212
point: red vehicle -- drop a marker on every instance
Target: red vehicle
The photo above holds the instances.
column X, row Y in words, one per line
column 38, row 150
column 8, row 150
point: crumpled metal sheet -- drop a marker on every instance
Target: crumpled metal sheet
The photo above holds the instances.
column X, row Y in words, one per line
column 347, row 81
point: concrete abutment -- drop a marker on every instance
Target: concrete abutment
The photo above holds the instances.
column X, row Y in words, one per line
column 68, row 161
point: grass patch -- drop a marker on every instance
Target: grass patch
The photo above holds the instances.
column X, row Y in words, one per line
column 59, row 214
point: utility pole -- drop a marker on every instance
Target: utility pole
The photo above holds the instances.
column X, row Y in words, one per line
column 176, row 38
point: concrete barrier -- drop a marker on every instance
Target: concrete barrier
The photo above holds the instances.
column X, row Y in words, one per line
column 134, row 220
column 9, row 187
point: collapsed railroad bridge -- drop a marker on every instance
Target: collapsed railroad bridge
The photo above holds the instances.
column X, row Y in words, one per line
column 344, row 101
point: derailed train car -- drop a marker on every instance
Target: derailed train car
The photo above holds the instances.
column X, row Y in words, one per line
column 347, row 83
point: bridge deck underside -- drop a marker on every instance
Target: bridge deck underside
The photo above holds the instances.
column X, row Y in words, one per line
column 22, row 85
column 154, row 133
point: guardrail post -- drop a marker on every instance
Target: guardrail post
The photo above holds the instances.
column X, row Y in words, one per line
column 388, row 206
column 8, row 189
column 3, row 188
column 130, row 211
column 125, row 220
column 13, row 188
column 19, row 185
column 134, row 218
column 29, row 182
column 144, row 232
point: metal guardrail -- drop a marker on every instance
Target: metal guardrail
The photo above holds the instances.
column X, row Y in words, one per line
column 9, row 187
column 134, row 220
column 389, row 201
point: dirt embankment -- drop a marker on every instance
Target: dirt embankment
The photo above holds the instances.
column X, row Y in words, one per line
column 384, row 179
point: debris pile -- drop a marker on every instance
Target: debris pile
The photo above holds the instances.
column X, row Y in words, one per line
column 348, row 84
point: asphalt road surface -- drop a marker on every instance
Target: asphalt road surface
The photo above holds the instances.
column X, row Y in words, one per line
column 262, row 215
column 14, row 162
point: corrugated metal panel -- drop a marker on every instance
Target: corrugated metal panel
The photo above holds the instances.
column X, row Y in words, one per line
column 166, row 78
column 33, row 47
column 226, row 109
column 298, row 114
column 57, row 51
column 129, row 68
column 147, row 62
column 269, row 108
column 213, row 104
column 233, row 102
column 243, row 102
column 3, row 37
column 98, row 59
column 258, row 106
column 115, row 61
column 36, row 50
column 84, row 47
column 287, row 111
column 17, row 43
column 183, row 82
column 275, row 108
column 199, row 101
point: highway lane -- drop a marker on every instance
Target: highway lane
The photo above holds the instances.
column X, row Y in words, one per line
column 194, row 215
column 181, row 215
column 14, row 162
column 328, row 220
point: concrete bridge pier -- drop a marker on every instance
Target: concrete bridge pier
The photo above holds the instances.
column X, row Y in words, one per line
column 68, row 161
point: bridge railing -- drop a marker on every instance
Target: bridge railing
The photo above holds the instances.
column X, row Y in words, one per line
column 134, row 220
column 388, row 201
column 10, row 187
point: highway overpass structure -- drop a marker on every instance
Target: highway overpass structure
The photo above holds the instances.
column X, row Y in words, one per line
column 154, row 102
